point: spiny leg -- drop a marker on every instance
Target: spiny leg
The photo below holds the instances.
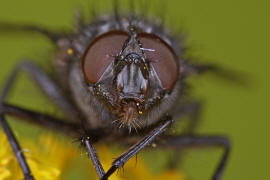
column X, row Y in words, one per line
column 16, row 149
column 121, row 160
column 46, row 84
column 92, row 153
column 43, row 120
column 36, row 118
column 49, row 88
column 56, row 125
column 199, row 141
column 12, row 139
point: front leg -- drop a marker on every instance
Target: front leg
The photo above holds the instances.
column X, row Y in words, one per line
column 16, row 149
column 122, row 159
column 45, row 83
column 92, row 153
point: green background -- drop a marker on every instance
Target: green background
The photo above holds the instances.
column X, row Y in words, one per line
column 231, row 33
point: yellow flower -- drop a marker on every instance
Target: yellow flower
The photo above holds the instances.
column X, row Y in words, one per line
column 49, row 157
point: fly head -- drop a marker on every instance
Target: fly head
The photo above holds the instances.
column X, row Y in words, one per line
column 130, row 72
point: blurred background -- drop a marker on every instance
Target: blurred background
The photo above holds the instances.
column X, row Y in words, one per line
column 232, row 34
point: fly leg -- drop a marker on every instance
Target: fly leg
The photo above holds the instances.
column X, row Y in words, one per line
column 193, row 110
column 179, row 142
column 48, row 87
column 46, row 84
column 56, row 125
column 95, row 160
column 8, row 27
column 16, row 149
column 192, row 69
column 189, row 69
column 36, row 118
column 122, row 159
column 42, row 120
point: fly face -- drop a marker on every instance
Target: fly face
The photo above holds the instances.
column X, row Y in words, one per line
column 131, row 72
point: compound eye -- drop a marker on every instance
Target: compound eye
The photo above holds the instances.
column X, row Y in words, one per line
column 100, row 53
column 162, row 58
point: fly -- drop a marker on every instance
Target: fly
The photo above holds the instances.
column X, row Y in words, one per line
column 118, row 77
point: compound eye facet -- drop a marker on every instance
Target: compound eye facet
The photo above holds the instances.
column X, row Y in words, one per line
column 100, row 53
column 162, row 58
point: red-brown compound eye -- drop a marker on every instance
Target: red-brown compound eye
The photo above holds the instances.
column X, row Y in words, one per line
column 162, row 57
column 101, row 52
